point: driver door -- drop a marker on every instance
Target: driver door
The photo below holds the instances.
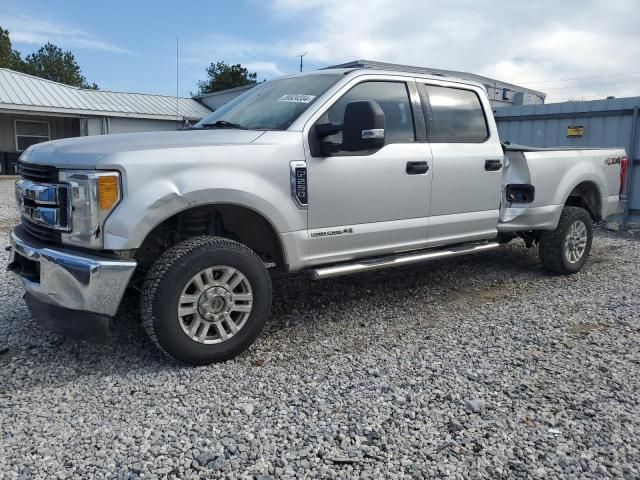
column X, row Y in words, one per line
column 367, row 203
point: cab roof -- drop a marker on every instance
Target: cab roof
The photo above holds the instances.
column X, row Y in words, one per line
column 372, row 71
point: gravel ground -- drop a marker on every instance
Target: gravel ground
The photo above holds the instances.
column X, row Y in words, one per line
column 483, row 367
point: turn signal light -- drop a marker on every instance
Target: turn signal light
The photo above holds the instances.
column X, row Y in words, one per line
column 108, row 191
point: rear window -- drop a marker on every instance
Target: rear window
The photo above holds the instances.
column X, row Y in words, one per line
column 455, row 116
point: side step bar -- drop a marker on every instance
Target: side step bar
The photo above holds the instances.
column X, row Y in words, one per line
column 399, row 260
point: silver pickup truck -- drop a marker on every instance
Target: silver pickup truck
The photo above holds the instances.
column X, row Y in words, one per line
column 331, row 172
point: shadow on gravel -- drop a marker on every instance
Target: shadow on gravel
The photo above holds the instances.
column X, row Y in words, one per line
column 299, row 303
column 400, row 285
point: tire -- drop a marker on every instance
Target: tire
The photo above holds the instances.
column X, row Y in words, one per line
column 556, row 247
column 178, row 326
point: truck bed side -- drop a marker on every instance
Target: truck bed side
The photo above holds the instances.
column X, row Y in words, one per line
column 556, row 176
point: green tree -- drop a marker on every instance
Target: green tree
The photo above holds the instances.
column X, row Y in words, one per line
column 222, row 76
column 52, row 63
column 49, row 62
column 9, row 58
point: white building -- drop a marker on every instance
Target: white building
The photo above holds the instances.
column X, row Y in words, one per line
column 34, row 110
column 501, row 94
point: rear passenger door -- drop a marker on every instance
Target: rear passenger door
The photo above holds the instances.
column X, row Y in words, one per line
column 467, row 163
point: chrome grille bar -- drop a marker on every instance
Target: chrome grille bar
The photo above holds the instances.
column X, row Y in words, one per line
column 42, row 194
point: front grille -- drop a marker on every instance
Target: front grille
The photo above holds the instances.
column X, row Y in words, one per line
column 38, row 173
column 43, row 176
column 41, row 233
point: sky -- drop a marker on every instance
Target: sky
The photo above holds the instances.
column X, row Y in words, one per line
column 569, row 50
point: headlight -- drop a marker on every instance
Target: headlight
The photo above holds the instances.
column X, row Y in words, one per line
column 92, row 195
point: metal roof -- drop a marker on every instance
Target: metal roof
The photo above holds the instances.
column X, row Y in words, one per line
column 225, row 91
column 19, row 91
column 437, row 71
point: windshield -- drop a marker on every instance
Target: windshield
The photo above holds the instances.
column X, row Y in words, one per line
column 273, row 105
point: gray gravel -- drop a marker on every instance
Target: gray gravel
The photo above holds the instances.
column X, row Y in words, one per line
column 483, row 367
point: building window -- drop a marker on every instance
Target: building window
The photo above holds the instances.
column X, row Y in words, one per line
column 30, row 132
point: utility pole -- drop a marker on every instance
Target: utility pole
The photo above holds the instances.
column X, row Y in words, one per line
column 301, row 57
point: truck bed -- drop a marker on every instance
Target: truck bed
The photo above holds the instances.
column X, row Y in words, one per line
column 555, row 174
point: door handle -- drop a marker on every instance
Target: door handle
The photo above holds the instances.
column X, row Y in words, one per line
column 417, row 168
column 492, row 165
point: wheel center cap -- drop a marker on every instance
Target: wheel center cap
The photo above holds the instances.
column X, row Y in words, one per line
column 214, row 301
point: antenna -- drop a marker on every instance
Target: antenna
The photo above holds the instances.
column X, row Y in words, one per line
column 301, row 57
column 177, row 82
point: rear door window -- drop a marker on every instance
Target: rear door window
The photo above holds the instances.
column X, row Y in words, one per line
column 454, row 115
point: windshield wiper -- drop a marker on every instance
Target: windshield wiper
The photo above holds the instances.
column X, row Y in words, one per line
column 223, row 124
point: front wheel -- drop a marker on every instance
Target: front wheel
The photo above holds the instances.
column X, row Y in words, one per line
column 206, row 300
column 565, row 250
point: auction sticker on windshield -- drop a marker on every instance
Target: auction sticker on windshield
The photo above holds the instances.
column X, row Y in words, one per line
column 296, row 98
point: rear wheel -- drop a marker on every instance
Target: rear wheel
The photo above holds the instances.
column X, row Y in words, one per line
column 565, row 250
column 206, row 300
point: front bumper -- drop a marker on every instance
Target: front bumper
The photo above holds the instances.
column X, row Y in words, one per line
column 66, row 278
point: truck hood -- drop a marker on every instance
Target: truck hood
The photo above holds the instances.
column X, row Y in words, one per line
column 89, row 152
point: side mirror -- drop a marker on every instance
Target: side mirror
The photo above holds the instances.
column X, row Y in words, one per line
column 319, row 146
column 325, row 129
column 362, row 130
column 363, row 127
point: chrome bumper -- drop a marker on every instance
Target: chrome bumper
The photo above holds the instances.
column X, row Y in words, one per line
column 69, row 279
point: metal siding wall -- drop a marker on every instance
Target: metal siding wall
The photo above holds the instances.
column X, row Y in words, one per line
column 130, row 125
column 604, row 126
column 94, row 126
column 634, row 183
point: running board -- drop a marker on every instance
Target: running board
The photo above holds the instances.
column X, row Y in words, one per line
column 399, row 260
